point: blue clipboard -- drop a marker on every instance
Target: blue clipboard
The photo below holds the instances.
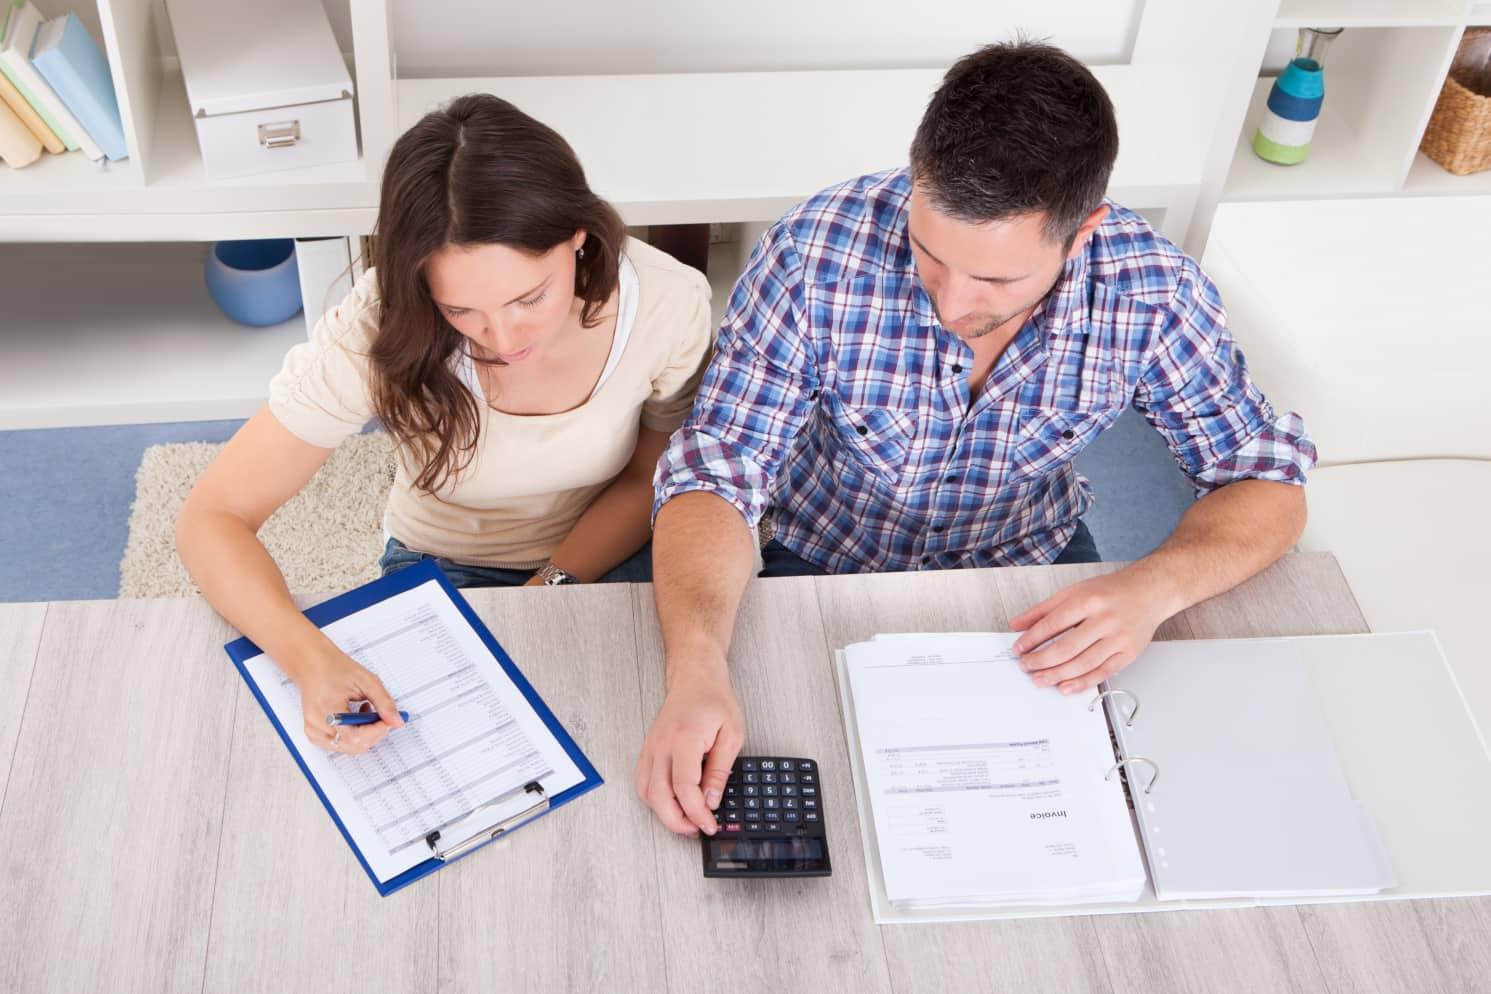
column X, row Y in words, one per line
column 342, row 605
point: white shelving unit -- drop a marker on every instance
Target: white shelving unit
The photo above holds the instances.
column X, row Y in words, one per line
column 125, row 332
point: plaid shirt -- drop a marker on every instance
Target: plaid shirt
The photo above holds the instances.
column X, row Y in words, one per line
column 836, row 399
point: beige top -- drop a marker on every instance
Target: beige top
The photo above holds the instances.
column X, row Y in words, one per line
column 531, row 476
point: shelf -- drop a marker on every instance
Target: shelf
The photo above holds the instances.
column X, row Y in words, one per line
column 118, row 334
column 1369, row 13
column 1339, row 163
column 708, row 160
column 67, row 198
column 1429, row 178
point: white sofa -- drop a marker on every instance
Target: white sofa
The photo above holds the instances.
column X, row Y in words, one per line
column 1372, row 319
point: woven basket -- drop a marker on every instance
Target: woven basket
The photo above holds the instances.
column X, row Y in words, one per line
column 1459, row 132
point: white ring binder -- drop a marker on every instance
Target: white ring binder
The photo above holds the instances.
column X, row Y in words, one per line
column 1153, row 766
column 1128, row 721
column 487, row 834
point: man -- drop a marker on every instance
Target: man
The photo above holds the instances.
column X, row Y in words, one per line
column 908, row 366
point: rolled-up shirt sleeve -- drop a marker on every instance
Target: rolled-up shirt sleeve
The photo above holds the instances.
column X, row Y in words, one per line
column 756, row 394
column 1197, row 393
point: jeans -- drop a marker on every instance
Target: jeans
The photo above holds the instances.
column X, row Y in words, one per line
column 397, row 555
column 778, row 560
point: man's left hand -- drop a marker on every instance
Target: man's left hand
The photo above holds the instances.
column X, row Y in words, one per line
column 1090, row 630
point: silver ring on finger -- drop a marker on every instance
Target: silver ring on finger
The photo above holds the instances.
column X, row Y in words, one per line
column 336, row 741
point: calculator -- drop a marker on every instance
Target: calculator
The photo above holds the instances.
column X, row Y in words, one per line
column 771, row 821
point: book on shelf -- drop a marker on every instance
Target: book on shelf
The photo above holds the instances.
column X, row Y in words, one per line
column 22, row 24
column 22, row 109
column 71, row 61
column 18, row 146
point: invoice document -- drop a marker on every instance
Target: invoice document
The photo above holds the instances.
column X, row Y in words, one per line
column 983, row 787
column 461, row 763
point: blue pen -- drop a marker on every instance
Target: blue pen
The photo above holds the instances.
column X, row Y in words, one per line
column 358, row 717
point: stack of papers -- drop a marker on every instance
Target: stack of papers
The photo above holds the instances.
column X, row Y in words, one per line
column 984, row 790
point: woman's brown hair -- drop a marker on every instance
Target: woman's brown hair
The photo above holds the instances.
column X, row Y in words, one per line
column 479, row 172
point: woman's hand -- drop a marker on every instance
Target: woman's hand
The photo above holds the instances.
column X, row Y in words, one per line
column 337, row 683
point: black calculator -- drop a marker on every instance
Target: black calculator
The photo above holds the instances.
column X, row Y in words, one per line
column 771, row 821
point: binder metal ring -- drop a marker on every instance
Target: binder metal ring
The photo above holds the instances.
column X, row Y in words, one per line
column 1154, row 770
column 487, row 834
column 1128, row 721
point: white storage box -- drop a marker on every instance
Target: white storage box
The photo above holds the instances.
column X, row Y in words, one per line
column 266, row 84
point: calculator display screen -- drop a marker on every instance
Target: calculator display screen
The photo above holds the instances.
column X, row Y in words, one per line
column 766, row 854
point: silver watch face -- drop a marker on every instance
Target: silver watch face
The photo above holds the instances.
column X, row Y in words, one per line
column 553, row 576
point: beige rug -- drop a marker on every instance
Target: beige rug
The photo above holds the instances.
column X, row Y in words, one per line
column 326, row 539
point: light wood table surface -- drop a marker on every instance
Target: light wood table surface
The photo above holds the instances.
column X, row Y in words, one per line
column 156, row 836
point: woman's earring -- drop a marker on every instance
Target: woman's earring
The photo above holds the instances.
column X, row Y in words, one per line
column 580, row 252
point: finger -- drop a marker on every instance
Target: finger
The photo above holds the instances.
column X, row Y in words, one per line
column 1031, row 615
column 1085, row 662
column 663, row 803
column 1052, row 624
column 364, row 737
column 374, row 690
column 687, row 774
column 1062, row 648
column 717, row 767
column 1090, row 680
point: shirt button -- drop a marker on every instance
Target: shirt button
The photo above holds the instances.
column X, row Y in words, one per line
column 862, row 429
column 1068, row 434
column 938, row 528
column 952, row 479
column 957, row 368
column 926, row 560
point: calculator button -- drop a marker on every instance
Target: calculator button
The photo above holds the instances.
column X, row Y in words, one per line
column 810, row 816
column 810, row 792
column 768, row 764
column 770, row 803
column 789, row 778
column 790, row 816
column 732, row 816
column 803, row 778
column 806, row 765
column 753, row 778
column 751, row 791
column 752, row 803
column 773, row 826
column 731, row 790
column 785, row 765
column 768, row 778
column 789, row 791
column 790, row 803
column 731, row 803
column 749, row 765
column 808, row 803
column 732, row 828
column 770, row 790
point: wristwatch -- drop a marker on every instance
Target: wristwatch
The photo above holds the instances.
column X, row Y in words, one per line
column 554, row 576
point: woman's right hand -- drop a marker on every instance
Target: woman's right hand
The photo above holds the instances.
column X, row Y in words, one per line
column 336, row 683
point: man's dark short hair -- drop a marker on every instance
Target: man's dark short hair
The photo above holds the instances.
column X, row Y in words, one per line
column 1017, row 128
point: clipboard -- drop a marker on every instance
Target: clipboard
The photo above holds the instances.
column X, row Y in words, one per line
column 442, row 850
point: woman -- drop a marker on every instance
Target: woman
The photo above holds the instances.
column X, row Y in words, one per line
column 530, row 362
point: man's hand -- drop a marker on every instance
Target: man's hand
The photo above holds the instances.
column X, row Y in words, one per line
column 1098, row 626
column 699, row 716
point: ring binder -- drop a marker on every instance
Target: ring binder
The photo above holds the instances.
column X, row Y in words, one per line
column 487, row 834
column 1153, row 766
column 1128, row 722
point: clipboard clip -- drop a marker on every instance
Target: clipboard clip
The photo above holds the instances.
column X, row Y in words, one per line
column 1128, row 721
column 538, row 807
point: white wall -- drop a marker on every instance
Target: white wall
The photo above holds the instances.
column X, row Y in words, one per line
column 473, row 37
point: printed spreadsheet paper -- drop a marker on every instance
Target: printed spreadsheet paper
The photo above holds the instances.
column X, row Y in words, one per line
column 472, row 738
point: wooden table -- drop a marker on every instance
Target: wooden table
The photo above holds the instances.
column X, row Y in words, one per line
column 156, row 836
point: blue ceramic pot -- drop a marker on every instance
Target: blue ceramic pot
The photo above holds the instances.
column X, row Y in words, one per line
column 255, row 282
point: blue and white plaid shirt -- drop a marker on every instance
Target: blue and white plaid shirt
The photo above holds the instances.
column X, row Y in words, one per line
column 837, row 400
